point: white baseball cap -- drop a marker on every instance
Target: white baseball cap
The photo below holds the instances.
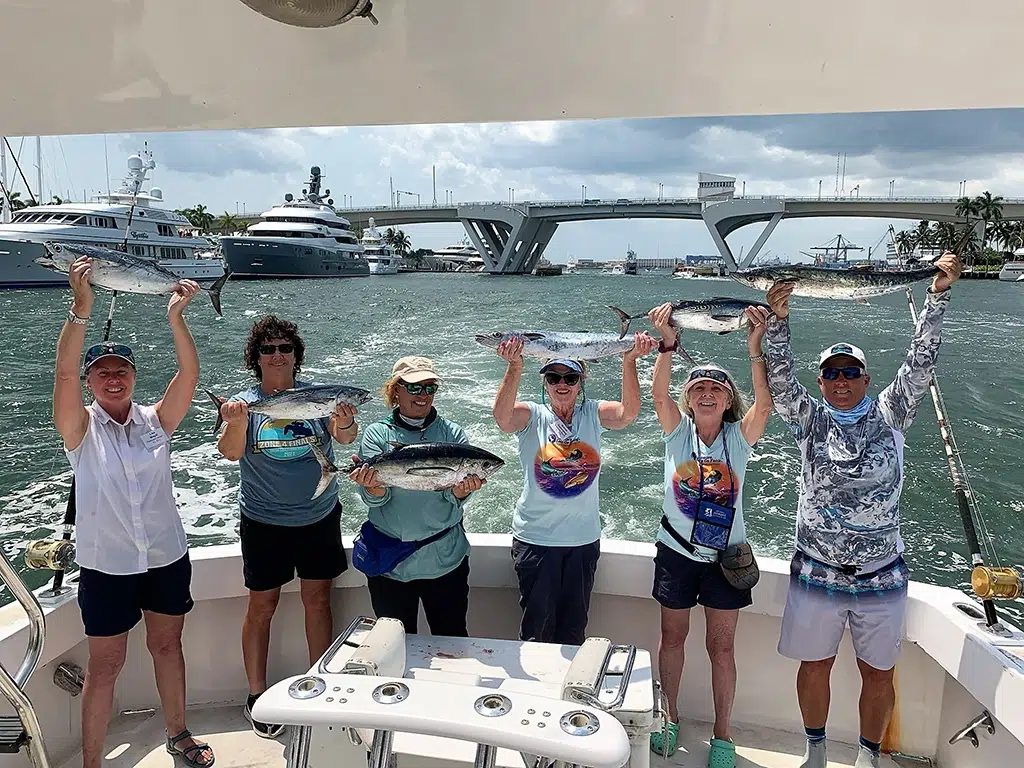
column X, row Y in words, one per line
column 842, row 349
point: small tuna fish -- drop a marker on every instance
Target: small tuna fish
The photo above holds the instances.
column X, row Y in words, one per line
column 550, row 345
column 719, row 315
column 418, row 467
column 316, row 401
column 857, row 284
column 118, row 271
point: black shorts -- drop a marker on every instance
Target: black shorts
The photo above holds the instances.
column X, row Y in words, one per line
column 112, row 604
column 272, row 555
column 681, row 582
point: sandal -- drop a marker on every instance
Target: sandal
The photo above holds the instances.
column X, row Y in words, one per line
column 722, row 754
column 191, row 754
column 667, row 737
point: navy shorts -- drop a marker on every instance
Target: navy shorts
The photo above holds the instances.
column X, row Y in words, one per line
column 112, row 604
column 681, row 582
column 554, row 590
column 272, row 555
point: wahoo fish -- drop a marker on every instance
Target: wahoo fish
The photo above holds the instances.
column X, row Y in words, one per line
column 417, row 467
column 550, row 345
column 317, row 401
column 719, row 315
column 857, row 284
column 119, row 271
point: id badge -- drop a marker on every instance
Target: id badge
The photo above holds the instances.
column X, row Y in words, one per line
column 712, row 525
column 154, row 439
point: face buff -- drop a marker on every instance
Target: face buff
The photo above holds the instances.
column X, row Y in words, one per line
column 851, row 416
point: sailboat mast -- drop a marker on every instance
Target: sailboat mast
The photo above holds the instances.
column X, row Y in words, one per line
column 5, row 208
column 39, row 167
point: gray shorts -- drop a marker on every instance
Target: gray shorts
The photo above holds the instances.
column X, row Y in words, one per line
column 815, row 619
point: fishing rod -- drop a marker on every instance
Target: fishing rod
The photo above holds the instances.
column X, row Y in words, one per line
column 987, row 582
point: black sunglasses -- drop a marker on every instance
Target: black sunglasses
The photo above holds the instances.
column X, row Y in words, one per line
column 849, row 372
column 572, row 379
column 416, row 389
column 269, row 349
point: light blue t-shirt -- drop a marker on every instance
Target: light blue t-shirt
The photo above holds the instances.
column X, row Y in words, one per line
column 279, row 472
column 559, row 505
column 682, row 481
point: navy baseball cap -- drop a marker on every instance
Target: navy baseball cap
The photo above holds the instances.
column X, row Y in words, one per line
column 570, row 364
column 107, row 349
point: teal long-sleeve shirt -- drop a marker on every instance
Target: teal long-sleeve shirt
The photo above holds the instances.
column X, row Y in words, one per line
column 415, row 515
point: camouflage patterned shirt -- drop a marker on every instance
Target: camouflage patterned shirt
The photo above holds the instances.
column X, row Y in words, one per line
column 851, row 475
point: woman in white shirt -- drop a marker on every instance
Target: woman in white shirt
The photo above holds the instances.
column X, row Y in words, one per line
column 130, row 543
column 703, row 557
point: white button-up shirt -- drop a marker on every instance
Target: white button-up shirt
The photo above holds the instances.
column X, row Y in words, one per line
column 126, row 520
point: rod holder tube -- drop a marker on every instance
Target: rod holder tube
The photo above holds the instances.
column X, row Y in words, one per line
column 381, row 748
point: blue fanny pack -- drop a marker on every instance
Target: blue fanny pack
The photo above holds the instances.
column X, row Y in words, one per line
column 375, row 553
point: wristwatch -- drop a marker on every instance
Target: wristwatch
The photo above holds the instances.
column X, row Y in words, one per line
column 662, row 348
column 73, row 318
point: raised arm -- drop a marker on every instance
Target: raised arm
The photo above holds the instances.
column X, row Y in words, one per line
column 176, row 400
column 510, row 415
column 899, row 400
column 756, row 419
column 791, row 399
column 69, row 414
column 619, row 415
column 664, row 406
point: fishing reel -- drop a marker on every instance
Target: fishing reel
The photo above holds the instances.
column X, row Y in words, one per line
column 52, row 554
column 996, row 583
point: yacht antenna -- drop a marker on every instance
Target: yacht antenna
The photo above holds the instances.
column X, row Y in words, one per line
column 14, row 157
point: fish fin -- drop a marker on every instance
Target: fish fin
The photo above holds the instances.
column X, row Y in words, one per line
column 396, row 444
column 532, row 336
column 214, row 290
column 623, row 320
column 217, row 401
column 685, row 355
column 725, row 333
column 723, row 318
column 428, row 471
column 327, row 469
column 862, row 301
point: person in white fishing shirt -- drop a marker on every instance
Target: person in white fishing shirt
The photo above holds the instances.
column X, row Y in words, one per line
column 556, row 527
column 848, row 564
column 130, row 543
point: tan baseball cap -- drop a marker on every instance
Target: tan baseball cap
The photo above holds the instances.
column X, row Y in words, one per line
column 413, row 369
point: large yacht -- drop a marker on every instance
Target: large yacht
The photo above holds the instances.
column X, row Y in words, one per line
column 379, row 255
column 462, row 255
column 1013, row 271
column 301, row 238
column 127, row 216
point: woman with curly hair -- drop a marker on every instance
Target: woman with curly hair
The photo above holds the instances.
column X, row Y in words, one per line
column 284, row 532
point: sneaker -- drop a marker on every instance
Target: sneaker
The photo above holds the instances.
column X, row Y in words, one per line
column 267, row 731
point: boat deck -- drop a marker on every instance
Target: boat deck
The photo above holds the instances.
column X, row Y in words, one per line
column 138, row 740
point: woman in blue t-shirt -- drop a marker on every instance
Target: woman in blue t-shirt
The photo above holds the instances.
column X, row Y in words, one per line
column 709, row 436
column 556, row 527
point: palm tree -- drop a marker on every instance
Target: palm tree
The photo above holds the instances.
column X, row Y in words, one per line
column 400, row 243
column 227, row 223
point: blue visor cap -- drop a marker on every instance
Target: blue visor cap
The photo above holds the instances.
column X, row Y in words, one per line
column 570, row 364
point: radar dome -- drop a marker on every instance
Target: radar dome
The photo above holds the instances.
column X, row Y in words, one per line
column 157, row 193
column 327, row 191
column 289, row 197
column 315, row 170
column 313, row 13
column 330, row 201
column 135, row 163
column 372, row 225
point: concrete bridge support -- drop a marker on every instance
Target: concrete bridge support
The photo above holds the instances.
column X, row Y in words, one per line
column 724, row 218
column 510, row 241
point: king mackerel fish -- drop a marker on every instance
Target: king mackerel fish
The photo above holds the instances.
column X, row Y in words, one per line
column 550, row 345
column 856, row 284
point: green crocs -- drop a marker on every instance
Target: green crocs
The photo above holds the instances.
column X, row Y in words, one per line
column 722, row 754
column 664, row 741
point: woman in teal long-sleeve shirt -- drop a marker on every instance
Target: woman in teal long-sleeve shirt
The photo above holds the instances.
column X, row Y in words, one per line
column 436, row 573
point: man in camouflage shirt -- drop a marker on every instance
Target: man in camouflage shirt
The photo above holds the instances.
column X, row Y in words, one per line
column 848, row 563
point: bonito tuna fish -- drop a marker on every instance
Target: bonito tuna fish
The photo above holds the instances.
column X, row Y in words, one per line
column 550, row 345
column 317, row 401
column 418, row 467
column 855, row 284
column 118, row 271
column 718, row 315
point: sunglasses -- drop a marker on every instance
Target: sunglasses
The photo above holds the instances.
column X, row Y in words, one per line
column 418, row 389
column 849, row 372
column 710, row 373
column 269, row 349
column 572, row 379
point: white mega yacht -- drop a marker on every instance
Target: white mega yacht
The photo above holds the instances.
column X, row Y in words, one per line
column 462, row 255
column 384, row 699
column 379, row 255
column 1013, row 271
column 129, row 212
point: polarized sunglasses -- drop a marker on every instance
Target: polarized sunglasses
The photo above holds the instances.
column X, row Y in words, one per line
column 421, row 389
column 269, row 349
column 572, row 379
column 849, row 372
column 710, row 373
column 99, row 350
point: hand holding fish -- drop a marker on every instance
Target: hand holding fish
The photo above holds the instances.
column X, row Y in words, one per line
column 512, row 352
column 778, row 298
column 467, row 486
column 950, row 265
column 643, row 343
column 661, row 318
column 344, row 415
column 757, row 325
column 234, row 412
column 78, row 276
column 367, row 477
column 180, row 298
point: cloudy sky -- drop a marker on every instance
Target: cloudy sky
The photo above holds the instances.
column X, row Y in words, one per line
column 927, row 153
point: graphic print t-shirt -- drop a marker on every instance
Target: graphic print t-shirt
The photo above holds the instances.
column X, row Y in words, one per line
column 561, row 463
column 279, row 471
column 682, row 481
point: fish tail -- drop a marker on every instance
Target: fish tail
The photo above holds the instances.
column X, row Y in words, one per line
column 217, row 401
column 327, row 470
column 214, row 290
column 623, row 320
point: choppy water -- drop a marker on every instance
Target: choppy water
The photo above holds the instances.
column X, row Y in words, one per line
column 355, row 329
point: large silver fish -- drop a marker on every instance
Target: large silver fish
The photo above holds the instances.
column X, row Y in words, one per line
column 316, row 401
column 718, row 315
column 418, row 467
column 118, row 271
column 550, row 345
column 857, row 284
